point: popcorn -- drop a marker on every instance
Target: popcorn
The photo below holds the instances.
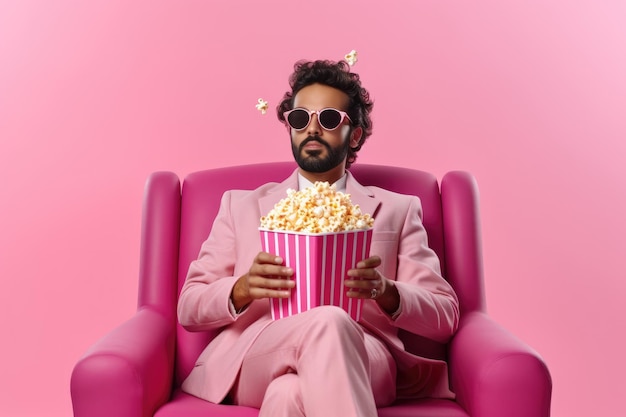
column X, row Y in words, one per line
column 317, row 209
column 262, row 106
column 321, row 235
column 351, row 57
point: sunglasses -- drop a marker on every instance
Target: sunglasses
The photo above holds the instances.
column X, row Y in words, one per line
column 328, row 118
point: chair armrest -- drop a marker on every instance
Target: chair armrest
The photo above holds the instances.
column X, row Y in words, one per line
column 128, row 373
column 495, row 374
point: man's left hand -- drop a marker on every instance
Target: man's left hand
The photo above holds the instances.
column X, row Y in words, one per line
column 368, row 282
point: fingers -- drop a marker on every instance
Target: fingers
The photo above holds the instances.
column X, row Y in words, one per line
column 268, row 265
column 270, row 288
column 367, row 282
column 365, row 288
column 268, row 277
column 366, row 270
column 267, row 258
column 371, row 262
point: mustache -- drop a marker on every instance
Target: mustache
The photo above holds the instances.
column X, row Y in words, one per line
column 314, row 138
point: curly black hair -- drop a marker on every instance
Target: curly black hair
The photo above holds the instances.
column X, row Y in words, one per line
column 336, row 75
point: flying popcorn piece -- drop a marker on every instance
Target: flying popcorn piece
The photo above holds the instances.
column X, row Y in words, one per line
column 317, row 209
column 351, row 57
column 262, row 106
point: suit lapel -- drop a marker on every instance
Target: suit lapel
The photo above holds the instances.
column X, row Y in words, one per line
column 362, row 196
column 277, row 193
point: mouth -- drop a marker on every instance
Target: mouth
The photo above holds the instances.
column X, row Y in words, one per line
column 313, row 145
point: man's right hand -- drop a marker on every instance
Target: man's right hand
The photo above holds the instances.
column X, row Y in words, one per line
column 267, row 278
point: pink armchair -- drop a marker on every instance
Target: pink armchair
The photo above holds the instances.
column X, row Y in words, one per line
column 136, row 370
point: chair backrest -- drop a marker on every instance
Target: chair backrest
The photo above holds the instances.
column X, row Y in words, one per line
column 201, row 194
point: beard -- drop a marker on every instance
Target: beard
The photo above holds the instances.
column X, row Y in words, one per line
column 312, row 161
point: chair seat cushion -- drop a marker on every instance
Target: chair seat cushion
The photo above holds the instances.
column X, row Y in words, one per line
column 183, row 404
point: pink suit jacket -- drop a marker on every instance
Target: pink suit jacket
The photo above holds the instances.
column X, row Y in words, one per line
column 429, row 306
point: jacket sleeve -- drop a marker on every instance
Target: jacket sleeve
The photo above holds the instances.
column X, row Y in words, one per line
column 429, row 306
column 204, row 300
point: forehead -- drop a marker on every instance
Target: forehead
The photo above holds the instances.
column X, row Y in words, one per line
column 319, row 96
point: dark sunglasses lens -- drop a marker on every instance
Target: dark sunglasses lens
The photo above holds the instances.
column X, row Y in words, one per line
column 298, row 119
column 330, row 119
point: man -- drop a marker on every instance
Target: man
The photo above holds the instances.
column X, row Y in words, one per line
column 321, row 362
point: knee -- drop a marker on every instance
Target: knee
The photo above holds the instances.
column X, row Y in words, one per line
column 330, row 320
column 283, row 397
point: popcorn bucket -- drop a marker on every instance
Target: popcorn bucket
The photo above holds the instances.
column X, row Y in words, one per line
column 320, row 262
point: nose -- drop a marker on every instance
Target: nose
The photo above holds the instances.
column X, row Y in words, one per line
column 314, row 127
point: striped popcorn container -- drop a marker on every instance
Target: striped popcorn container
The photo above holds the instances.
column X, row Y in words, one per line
column 320, row 262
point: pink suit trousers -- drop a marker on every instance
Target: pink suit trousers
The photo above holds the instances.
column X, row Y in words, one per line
column 317, row 363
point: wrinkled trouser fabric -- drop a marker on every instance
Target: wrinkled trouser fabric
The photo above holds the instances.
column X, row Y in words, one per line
column 317, row 363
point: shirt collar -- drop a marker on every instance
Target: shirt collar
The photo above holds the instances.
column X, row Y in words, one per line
column 340, row 184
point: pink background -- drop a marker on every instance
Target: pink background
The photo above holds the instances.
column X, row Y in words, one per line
column 529, row 95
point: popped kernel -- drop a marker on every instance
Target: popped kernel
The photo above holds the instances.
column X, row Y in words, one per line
column 317, row 209
column 262, row 106
column 351, row 57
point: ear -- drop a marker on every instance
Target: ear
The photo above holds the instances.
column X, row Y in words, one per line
column 355, row 137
